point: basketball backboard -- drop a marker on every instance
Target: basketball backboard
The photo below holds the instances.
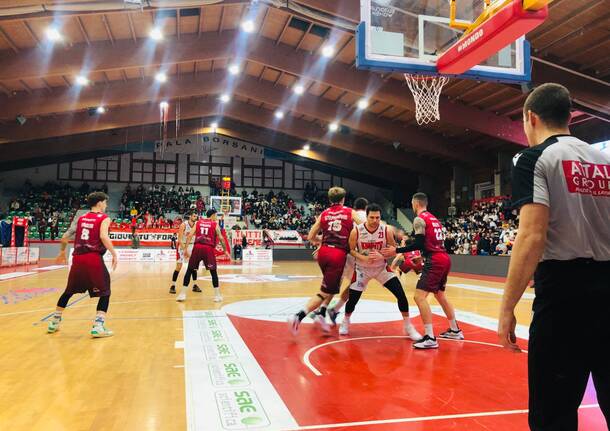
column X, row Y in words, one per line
column 409, row 35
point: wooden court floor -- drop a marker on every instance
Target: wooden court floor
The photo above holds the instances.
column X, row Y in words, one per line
column 136, row 379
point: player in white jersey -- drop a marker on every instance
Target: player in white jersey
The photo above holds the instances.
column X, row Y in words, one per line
column 365, row 241
column 348, row 271
column 183, row 231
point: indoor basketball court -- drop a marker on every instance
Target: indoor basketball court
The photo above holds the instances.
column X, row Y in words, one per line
column 255, row 109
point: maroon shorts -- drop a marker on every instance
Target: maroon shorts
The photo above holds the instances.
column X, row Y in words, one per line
column 205, row 254
column 88, row 273
column 434, row 275
column 332, row 263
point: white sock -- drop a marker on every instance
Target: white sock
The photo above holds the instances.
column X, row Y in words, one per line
column 217, row 291
column 57, row 315
column 346, row 318
column 183, row 290
column 408, row 323
column 453, row 325
column 99, row 319
column 429, row 330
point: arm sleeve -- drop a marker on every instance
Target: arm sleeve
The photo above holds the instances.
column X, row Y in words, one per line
column 416, row 244
column 529, row 181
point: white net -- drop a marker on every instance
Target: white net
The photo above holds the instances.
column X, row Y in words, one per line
column 426, row 92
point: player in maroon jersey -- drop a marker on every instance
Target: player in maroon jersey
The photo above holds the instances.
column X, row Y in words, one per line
column 335, row 223
column 429, row 239
column 88, row 271
column 206, row 233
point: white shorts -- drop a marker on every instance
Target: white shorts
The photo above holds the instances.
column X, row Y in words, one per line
column 349, row 268
column 180, row 254
column 364, row 275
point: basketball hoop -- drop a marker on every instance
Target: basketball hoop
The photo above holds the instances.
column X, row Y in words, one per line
column 426, row 92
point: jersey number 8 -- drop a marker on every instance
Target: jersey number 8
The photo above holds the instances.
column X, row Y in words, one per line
column 84, row 235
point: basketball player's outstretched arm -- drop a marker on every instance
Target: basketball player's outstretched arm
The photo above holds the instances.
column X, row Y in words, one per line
column 185, row 246
column 419, row 226
column 65, row 239
column 222, row 241
column 180, row 234
column 105, row 238
column 313, row 232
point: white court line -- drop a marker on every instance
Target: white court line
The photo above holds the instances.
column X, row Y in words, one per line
column 423, row 419
column 314, row 370
column 51, row 268
column 485, row 289
column 15, row 274
column 179, row 345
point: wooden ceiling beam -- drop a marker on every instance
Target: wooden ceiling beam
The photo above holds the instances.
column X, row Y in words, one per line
column 133, row 116
column 213, row 83
column 9, row 41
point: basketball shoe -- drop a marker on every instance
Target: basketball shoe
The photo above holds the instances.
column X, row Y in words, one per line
column 321, row 323
column 53, row 325
column 452, row 335
column 172, row 290
column 196, row 289
column 293, row 324
column 426, row 342
column 181, row 297
column 332, row 314
column 411, row 332
column 344, row 327
column 100, row 331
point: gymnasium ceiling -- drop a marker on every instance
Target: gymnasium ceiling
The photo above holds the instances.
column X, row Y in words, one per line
column 111, row 46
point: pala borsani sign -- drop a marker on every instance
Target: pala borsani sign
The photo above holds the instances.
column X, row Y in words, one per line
column 210, row 144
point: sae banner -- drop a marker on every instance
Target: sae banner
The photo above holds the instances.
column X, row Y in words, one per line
column 211, row 144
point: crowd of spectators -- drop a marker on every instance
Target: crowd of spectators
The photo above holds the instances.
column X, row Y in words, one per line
column 158, row 201
column 275, row 211
column 488, row 228
column 49, row 208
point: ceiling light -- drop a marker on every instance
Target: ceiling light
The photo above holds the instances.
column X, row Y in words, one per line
column 363, row 104
column 156, row 34
column 247, row 26
column 100, row 110
column 306, row 147
column 214, row 126
column 82, row 80
column 279, row 114
column 161, row 77
column 53, row 34
column 333, row 127
column 164, row 105
column 298, row 89
column 225, row 98
column 234, row 69
column 328, row 51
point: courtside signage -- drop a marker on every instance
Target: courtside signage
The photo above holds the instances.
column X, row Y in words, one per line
column 226, row 389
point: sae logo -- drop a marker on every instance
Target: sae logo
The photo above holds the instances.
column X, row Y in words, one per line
column 241, row 410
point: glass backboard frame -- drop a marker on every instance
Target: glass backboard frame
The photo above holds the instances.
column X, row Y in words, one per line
column 367, row 60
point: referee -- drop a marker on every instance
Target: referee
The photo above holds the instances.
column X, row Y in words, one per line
column 562, row 186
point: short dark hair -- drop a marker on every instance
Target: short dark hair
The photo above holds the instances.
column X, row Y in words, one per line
column 94, row 198
column 191, row 213
column 373, row 208
column 360, row 203
column 209, row 213
column 421, row 197
column 552, row 103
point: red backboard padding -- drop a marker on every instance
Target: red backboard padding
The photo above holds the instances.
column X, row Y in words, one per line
column 507, row 25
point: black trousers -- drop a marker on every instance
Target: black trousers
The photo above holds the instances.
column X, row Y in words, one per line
column 568, row 342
